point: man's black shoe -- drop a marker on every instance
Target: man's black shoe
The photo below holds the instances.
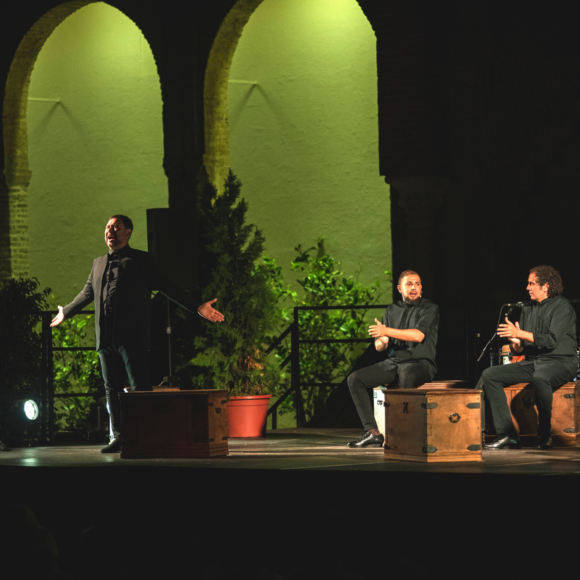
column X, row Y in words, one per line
column 543, row 442
column 504, row 442
column 113, row 447
column 368, row 439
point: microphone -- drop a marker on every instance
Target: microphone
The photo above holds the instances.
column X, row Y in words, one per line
column 515, row 304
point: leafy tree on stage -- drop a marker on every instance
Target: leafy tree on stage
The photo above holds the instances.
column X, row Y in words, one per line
column 230, row 354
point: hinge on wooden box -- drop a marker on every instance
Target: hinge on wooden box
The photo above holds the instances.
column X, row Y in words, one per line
column 473, row 406
column 223, row 402
column 570, row 430
column 474, row 448
column 224, row 438
column 569, row 396
column 429, row 405
column 429, row 449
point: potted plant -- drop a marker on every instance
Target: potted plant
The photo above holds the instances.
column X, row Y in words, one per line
column 229, row 355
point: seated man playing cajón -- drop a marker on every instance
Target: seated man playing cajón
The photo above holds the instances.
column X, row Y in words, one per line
column 409, row 334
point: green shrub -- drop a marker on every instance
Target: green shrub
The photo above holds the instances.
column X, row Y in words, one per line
column 21, row 306
column 74, row 372
column 323, row 284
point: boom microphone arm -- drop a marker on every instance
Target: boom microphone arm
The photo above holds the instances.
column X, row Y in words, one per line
column 511, row 308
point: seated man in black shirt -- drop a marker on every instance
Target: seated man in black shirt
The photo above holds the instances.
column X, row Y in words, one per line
column 546, row 334
column 409, row 334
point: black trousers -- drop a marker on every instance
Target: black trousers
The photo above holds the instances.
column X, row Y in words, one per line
column 408, row 375
column 545, row 378
column 118, row 364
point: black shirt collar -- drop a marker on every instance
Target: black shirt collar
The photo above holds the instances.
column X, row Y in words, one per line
column 542, row 302
column 120, row 252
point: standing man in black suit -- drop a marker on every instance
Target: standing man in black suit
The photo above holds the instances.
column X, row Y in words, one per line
column 120, row 284
column 409, row 335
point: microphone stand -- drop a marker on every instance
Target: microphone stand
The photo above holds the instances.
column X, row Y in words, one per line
column 168, row 380
column 512, row 306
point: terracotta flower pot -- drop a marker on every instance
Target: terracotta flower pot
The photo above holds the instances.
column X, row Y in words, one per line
column 247, row 415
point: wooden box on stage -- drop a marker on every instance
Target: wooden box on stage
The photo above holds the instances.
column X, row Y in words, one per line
column 379, row 398
column 520, row 398
column 431, row 426
column 174, row 424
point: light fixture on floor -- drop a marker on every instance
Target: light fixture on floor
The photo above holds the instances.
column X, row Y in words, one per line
column 27, row 408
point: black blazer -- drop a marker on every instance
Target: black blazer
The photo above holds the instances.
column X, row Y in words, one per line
column 137, row 277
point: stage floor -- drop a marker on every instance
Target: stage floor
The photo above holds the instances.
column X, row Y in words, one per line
column 304, row 449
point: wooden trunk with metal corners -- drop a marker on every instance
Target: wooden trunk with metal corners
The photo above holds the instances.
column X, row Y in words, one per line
column 433, row 425
column 174, row 424
column 520, row 398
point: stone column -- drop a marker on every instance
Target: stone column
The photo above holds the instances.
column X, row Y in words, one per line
column 421, row 198
column 13, row 231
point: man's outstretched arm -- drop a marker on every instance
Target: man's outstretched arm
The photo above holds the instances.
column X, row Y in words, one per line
column 83, row 298
column 173, row 292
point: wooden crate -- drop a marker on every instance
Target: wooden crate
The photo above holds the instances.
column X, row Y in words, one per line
column 174, row 424
column 520, row 398
column 379, row 397
column 429, row 426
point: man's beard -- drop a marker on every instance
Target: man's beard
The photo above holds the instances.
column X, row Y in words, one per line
column 409, row 300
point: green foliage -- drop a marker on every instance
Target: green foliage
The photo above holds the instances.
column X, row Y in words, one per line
column 74, row 372
column 21, row 306
column 323, row 284
column 229, row 354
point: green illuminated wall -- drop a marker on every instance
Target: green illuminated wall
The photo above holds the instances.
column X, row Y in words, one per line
column 97, row 153
column 304, row 141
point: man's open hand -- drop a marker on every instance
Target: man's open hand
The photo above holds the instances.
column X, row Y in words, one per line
column 59, row 318
column 509, row 331
column 209, row 313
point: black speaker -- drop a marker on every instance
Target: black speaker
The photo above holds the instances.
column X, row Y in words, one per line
column 171, row 242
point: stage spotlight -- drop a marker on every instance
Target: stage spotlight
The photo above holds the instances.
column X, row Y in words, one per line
column 28, row 409
column 21, row 424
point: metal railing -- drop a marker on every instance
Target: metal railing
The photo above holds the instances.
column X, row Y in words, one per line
column 48, row 394
column 48, row 350
column 294, row 359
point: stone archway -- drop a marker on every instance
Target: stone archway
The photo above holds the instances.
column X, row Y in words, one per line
column 15, row 187
column 14, row 199
column 217, row 136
